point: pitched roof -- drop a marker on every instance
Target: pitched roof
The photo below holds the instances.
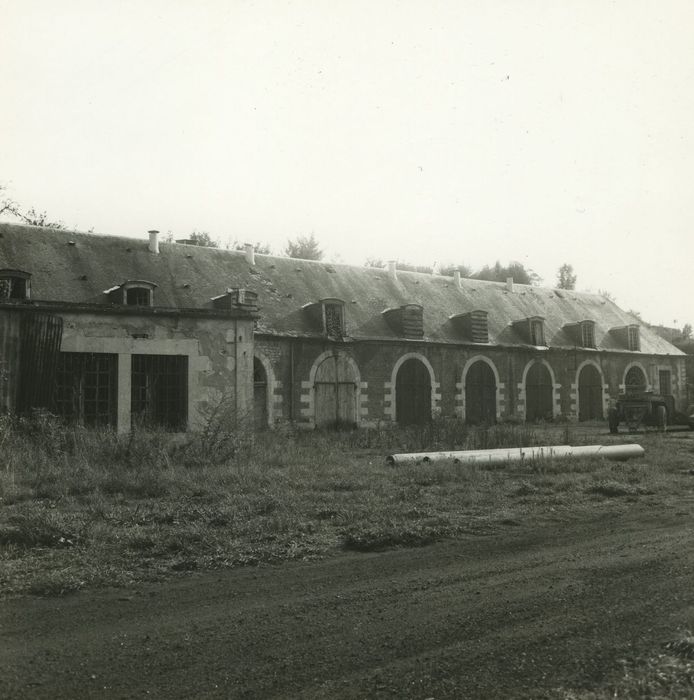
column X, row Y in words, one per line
column 80, row 267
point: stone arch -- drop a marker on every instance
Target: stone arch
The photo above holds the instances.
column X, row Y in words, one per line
column 542, row 402
column 465, row 412
column 590, row 392
column 334, row 392
column 392, row 397
column 263, row 397
column 629, row 372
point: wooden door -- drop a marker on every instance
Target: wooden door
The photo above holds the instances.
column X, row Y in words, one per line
column 539, row 393
column 413, row 393
column 480, row 394
column 589, row 394
column 335, row 388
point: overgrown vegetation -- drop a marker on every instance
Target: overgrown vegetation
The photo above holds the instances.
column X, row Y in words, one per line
column 668, row 674
column 83, row 508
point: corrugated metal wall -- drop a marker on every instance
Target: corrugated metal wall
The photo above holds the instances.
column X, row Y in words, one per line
column 40, row 335
column 10, row 329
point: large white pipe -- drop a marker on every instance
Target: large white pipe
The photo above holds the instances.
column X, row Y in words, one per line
column 521, row 454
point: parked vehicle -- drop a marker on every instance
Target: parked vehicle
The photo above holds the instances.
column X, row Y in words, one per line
column 647, row 408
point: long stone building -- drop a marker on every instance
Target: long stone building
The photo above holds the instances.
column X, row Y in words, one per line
column 109, row 330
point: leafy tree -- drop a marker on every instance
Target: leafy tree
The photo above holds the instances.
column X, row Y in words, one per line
column 566, row 279
column 499, row 273
column 687, row 331
column 304, row 247
column 203, row 238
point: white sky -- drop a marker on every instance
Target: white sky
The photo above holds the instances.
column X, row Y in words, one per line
column 454, row 131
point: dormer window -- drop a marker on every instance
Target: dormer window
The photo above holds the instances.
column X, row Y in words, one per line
column 588, row 334
column 15, row 284
column 132, row 293
column 236, row 298
column 582, row 333
column 537, row 331
column 327, row 316
column 407, row 320
column 333, row 316
column 473, row 324
column 629, row 337
column 532, row 330
column 138, row 296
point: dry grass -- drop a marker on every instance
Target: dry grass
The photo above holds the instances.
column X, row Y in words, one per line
column 667, row 675
column 79, row 508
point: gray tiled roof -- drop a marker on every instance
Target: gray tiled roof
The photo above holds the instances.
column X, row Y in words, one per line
column 79, row 267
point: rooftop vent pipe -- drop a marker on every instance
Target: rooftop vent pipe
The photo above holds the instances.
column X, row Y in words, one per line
column 392, row 267
column 456, row 277
column 509, row 284
column 154, row 241
column 250, row 253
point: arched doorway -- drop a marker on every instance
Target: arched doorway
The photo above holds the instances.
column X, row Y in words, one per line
column 539, row 403
column 480, row 394
column 635, row 381
column 589, row 393
column 413, row 393
column 259, row 395
column 335, row 387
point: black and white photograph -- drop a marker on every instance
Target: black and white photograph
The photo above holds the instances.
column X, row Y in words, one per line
column 346, row 349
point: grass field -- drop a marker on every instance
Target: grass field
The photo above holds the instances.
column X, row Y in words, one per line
column 83, row 509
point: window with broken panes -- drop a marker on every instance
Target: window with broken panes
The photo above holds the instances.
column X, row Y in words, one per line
column 159, row 391
column 86, row 388
column 333, row 320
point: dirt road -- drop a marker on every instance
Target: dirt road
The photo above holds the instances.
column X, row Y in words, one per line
column 518, row 614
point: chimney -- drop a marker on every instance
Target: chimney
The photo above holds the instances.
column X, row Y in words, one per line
column 392, row 268
column 509, row 284
column 456, row 277
column 250, row 253
column 154, row 242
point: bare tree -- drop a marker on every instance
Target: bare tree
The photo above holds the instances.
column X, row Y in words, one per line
column 27, row 216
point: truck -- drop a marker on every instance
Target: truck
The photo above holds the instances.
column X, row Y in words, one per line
column 647, row 408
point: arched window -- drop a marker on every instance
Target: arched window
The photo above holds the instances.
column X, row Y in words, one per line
column 413, row 393
column 635, row 381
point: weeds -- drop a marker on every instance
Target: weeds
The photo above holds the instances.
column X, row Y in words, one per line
column 93, row 507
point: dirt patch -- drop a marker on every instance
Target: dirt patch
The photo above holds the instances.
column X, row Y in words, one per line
column 535, row 612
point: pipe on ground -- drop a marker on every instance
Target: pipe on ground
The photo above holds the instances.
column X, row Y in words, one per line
column 520, row 454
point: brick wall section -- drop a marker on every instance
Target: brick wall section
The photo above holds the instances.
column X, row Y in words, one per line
column 376, row 361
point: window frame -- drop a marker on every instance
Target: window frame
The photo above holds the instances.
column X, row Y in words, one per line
column 18, row 279
column 634, row 338
column 329, row 307
column 537, row 324
column 588, row 334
